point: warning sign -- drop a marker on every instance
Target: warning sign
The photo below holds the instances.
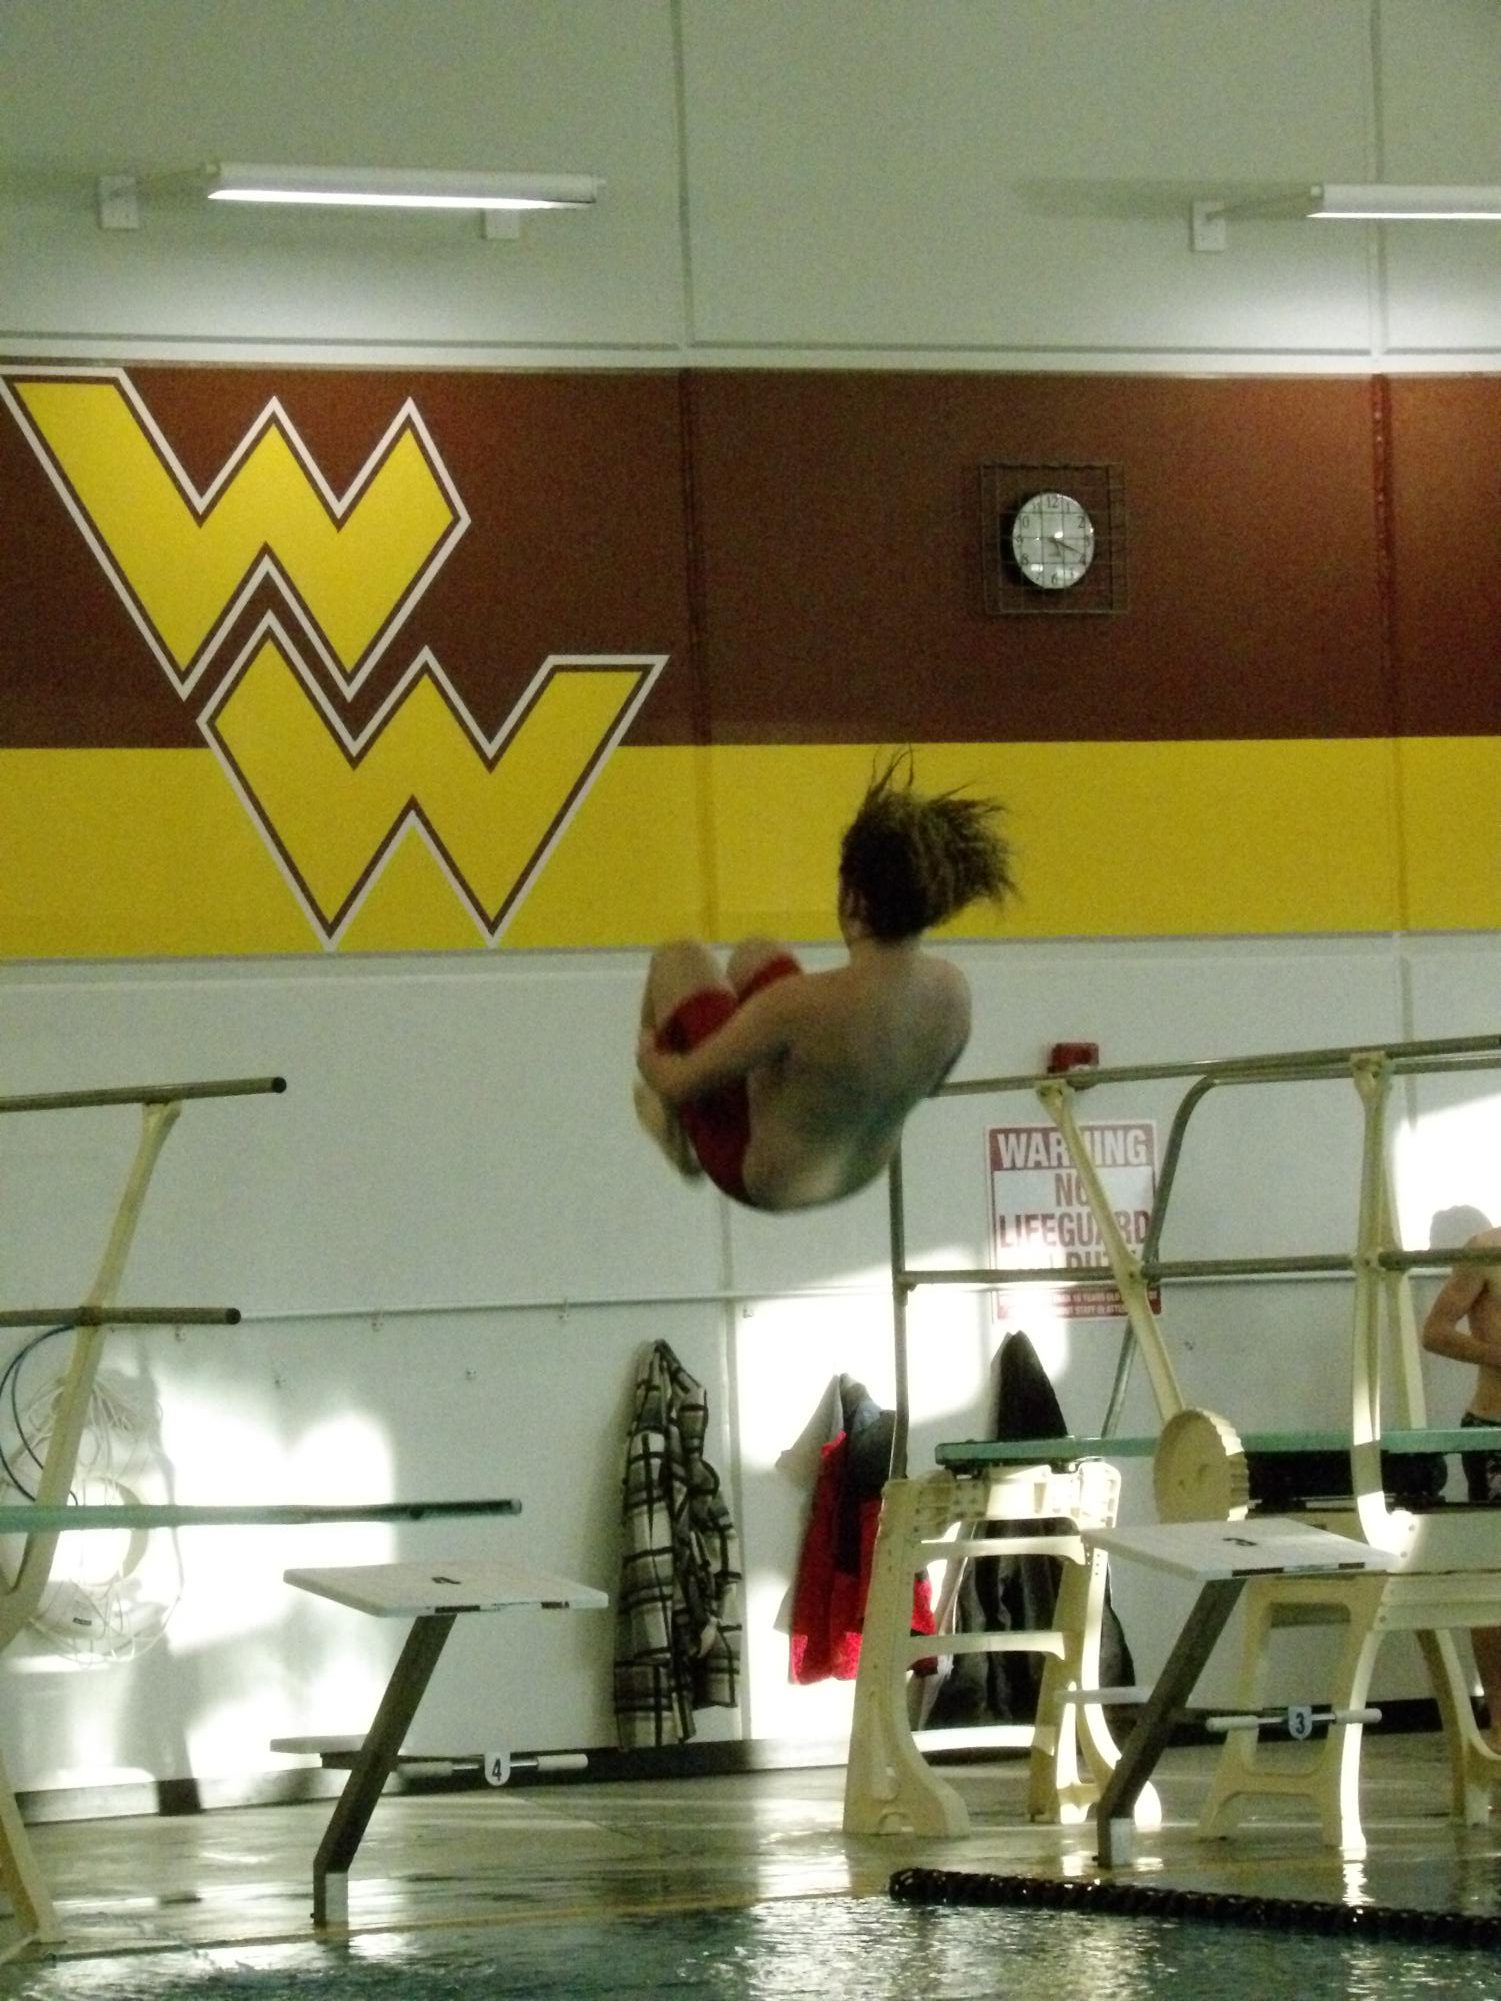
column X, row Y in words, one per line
column 1040, row 1214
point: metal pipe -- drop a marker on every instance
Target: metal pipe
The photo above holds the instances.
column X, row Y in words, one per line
column 897, row 1468
column 1170, row 1156
column 1120, row 1384
column 36, row 1520
column 143, row 1094
column 1431, row 1260
column 1278, row 1064
column 439, row 1309
column 120, row 1316
column 1074, row 1279
column 1294, row 1263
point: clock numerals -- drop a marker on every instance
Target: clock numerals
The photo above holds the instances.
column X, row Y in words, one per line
column 1052, row 537
column 1052, row 541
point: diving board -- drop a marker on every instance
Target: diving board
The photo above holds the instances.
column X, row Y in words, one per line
column 433, row 1596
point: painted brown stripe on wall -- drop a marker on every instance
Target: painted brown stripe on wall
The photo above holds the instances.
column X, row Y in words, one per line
column 577, row 543
column 74, row 668
column 1446, row 531
column 839, row 516
column 829, row 588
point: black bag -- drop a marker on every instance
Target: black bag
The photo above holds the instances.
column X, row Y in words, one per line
column 1001, row 1594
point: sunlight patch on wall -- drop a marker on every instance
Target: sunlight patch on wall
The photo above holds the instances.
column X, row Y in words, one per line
column 233, row 1583
column 775, row 1705
column 231, row 1736
column 1443, row 1159
column 952, row 1333
column 790, row 1353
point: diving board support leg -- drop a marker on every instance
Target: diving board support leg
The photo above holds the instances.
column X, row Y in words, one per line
column 374, row 1765
column 1056, row 1789
column 19, row 1603
column 1328, row 1777
column 1056, row 1096
column 19, row 1872
column 1474, row 1767
column 1212, row 1608
column 888, row 1784
column 20, row 1875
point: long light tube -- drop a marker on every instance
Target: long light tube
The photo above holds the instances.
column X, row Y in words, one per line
column 381, row 187
column 1372, row 202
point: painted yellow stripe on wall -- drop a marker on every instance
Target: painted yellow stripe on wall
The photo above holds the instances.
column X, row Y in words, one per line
column 144, row 853
column 150, row 853
column 134, row 854
column 1134, row 839
column 1451, row 820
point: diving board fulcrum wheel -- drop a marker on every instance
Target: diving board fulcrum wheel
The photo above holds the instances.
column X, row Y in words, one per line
column 1199, row 1471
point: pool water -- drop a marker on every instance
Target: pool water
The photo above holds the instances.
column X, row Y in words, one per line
column 867, row 1948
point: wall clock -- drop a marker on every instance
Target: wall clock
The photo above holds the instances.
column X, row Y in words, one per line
column 1053, row 538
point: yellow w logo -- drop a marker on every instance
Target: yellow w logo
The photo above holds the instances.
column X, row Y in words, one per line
column 186, row 562
column 420, row 780
column 336, row 807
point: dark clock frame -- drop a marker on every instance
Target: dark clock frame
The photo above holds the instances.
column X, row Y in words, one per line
column 1100, row 489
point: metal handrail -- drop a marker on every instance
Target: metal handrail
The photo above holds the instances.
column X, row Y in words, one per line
column 143, row 1094
column 120, row 1316
column 1443, row 1055
column 996, row 1278
column 71, row 1518
column 1403, row 1056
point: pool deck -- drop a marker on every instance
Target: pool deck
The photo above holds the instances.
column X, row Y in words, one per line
column 552, row 1852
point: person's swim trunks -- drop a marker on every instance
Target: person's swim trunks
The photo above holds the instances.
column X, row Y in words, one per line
column 718, row 1126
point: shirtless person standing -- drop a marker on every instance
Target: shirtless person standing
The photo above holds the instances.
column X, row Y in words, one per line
column 789, row 1088
column 1473, row 1293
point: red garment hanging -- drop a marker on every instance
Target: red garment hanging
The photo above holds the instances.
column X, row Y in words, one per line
column 828, row 1599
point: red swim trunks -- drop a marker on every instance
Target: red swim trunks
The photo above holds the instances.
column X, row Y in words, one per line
column 718, row 1126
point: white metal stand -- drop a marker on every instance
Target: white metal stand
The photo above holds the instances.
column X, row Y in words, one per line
column 890, row 1787
column 1224, row 1558
column 160, row 1106
column 1446, row 1571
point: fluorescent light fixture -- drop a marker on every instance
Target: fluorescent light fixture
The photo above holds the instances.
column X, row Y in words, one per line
column 1374, row 202
column 382, row 187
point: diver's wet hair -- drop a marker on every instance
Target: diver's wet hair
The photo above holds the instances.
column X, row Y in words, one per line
column 911, row 861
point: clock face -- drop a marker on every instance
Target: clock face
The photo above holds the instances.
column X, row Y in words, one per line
column 1052, row 539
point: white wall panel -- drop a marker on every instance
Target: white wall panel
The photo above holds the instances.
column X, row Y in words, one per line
column 426, row 1406
column 1018, row 177
column 1442, row 72
column 1450, row 1153
column 161, row 87
column 888, row 181
column 857, row 178
column 449, row 1135
column 459, row 1137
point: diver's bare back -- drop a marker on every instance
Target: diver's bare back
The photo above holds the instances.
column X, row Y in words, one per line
column 868, row 1042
